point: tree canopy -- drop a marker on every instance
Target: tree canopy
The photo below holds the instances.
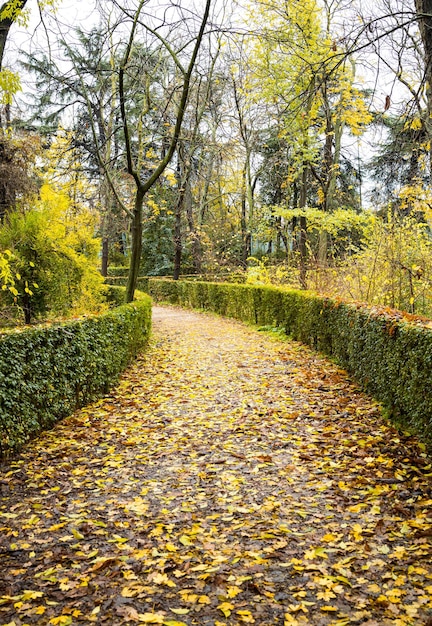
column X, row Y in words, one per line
column 208, row 136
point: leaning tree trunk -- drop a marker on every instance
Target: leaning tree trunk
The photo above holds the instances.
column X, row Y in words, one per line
column 136, row 246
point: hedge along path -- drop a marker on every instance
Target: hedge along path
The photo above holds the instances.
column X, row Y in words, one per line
column 230, row 479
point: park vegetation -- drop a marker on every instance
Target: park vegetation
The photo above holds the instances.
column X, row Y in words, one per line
column 259, row 146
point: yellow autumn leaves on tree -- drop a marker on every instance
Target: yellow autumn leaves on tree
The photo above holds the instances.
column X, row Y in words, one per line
column 50, row 252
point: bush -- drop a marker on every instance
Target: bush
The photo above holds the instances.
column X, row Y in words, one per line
column 52, row 270
column 389, row 354
column 395, row 269
column 48, row 372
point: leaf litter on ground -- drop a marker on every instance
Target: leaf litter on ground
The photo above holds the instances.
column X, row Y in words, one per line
column 230, row 478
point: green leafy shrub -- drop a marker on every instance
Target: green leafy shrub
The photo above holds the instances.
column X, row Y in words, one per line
column 50, row 273
column 389, row 354
column 48, row 372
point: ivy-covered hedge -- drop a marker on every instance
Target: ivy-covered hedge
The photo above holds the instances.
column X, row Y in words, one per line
column 48, row 372
column 116, row 295
column 389, row 355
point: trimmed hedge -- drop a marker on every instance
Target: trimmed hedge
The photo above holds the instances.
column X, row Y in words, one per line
column 391, row 357
column 48, row 372
column 118, row 271
column 115, row 295
column 121, row 281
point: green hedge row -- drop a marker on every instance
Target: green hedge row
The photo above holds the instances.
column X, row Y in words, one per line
column 120, row 281
column 48, row 372
column 118, row 271
column 389, row 356
column 116, row 295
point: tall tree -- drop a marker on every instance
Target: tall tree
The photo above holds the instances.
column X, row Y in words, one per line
column 143, row 181
column 148, row 114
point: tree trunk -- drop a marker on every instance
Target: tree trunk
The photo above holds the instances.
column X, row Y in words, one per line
column 424, row 16
column 136, row 246
column 303, row 229
column 6, row 23
column 104, row 268
column 27, row 308
column 178, row 246
column 193, row 231
column 245, row 254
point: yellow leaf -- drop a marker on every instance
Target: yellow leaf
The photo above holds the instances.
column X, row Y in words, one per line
column 357, row 532
column 226, row 608
column 61, row 620
column 77, row 534
column 246, row 617
column 185, row 540
column 329, row 538
column 180, row 611
column 139, row 506
column 321, row 552
column 151, row 618
column 171, row 547
column 329, row 608
column 356, row 508
column 40, row 610
column 343, row 579
column 162, row 579
column 131, row 592
column 233, row 591
column 204, row 600
column 326, row 595
column 56, row 526
column 31, row 595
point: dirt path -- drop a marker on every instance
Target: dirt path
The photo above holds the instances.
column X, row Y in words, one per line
column 230, row 478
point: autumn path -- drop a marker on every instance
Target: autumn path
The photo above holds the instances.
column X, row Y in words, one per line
column 229, row 479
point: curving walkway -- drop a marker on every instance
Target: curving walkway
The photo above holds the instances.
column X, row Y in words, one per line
column 229, row 479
